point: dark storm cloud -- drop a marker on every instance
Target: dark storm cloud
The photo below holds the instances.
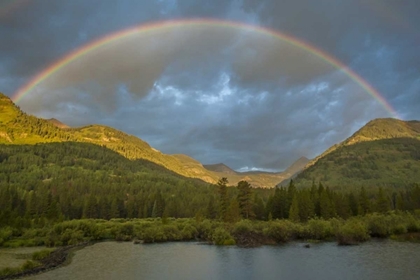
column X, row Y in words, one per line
column 218, row 94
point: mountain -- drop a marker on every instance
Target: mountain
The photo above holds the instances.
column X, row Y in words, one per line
column 17, row 127
column 257, row 178
column 377, row 129
column 385, row 152
column 85, row 180
column 57, row 123
column 220, row 167
column 297, row 166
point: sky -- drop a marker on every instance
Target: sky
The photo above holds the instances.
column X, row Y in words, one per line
column 216, row 93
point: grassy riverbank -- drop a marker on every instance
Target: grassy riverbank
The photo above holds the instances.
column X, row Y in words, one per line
column 398, row 225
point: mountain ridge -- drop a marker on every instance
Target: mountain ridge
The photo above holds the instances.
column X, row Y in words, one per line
column 382, row 152
column 17, row 127
column 376, row 129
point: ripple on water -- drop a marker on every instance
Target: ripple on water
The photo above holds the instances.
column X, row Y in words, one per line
column 113, row 260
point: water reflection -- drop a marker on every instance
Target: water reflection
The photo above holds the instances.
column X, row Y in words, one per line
column 112, row 260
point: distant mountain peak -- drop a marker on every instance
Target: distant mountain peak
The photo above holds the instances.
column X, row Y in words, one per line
column 57, row 123
column 385, row 128
column 219, row 167
column 6, row 101
column 297, row 166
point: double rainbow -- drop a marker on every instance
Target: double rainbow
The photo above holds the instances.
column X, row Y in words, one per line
column 158, row 26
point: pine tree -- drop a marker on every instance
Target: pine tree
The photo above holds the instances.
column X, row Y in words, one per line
column 400, row 202
column 353, row 204
column 342, row 206
column 223, row 196
column 291, row 191
column 364, row 203
column 382, row 203
column 114, row 211
column 259, row 208
column 294, row 210
column 326, row 206
column 233, row 212
column 306, row 206
column 211, row 212
column 245, row 200
column 155, row 210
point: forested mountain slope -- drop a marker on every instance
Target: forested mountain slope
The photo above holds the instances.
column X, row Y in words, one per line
column 393, row 162
column 85, row 180
column 377, row 129
column 17, row 127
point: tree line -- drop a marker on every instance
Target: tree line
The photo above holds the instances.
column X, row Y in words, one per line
column 45, row 183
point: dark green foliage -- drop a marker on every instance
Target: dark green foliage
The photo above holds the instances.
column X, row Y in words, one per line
column 306, row 206
column 222, row 237
column 294, row 210
column 245, row 200
column 223, row 196
column 319, row 229
column 40, row 255
column 352, row 232
column 75, row 180
column 364, row 203
column 233, row 212
column 280, row 231
column 387, row 163
column 382, row 202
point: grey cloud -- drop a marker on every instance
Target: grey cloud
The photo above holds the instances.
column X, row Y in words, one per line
column 218, row 94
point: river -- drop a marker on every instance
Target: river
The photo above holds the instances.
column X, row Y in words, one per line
column 383, row 259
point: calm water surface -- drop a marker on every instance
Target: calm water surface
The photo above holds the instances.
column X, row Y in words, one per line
column 112, row 260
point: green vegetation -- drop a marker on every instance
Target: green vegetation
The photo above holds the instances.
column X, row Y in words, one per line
column 19, row 128
column 61, row 194
column 40, row 255
column 74, row 180
column 385, row 129
column 351, row 231
column 388, row 163
column 31, row 261
column 377, row 129
column 58, row 190
column 16, row 127
column 64, row 181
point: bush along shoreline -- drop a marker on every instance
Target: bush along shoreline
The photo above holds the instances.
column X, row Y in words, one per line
column 42, row 261
column 70, row 235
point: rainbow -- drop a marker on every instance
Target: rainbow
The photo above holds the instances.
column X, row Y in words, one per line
column 156, row 26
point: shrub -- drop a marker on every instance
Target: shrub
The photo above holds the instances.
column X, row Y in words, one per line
column 8, row 271
column 242, row 227
column 5, row 234
column 40, row 255
column 172, row 233
column 378, row 225
column 417, row 213
column 206, row 228
column 398, row 223
column 319, row 229
column 189, row 232
column 154, row 234
column 124, row 232
column 29, row 264
column 413, row 225
column 280, row 231
column 352, row 232
column 71, row 237
column 222, row 237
